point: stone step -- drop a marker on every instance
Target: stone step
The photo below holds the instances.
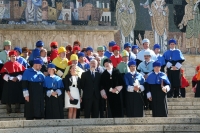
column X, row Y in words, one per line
column 186, row 103
column 181, row 116
column 108, row 129
column 183, row 99
column 98, row 121
column 184, row 107
column 148, row 113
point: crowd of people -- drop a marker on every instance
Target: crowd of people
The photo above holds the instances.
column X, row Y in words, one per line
column 104, row 84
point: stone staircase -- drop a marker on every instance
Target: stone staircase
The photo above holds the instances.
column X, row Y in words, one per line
column 184, row 116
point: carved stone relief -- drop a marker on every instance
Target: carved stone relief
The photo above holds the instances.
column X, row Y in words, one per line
column 29, row 38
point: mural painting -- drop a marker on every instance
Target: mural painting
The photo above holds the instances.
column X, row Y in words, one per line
column 157, row 20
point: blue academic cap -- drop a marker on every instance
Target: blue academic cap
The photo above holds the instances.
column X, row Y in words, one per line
column 38, row 61
column 127, row 45
column 39, row 44
column 172, row 41
column 156, row 46
column 89, row 48
column 51, row 65
column 156, row 64
column 81, row 54
column 135, row 46
column 132, row 62
column 18, row 49
column 112, row 43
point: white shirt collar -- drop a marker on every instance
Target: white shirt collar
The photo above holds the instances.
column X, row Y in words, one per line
column 34, row 70
column 110, row 71
column 17, row 57
column 116, row 56
column 133, row 73
column 147, row 61
column 52, row 76
column 44, row 59
column 157, row 73
column 173, row 49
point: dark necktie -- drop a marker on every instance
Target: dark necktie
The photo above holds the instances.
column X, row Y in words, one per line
column 93, row 75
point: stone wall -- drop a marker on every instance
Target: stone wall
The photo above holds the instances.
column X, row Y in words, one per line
column 26, row 35
column 191, row 61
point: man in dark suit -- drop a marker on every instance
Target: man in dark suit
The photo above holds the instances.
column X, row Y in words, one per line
column 90, row 84
column 102, row 102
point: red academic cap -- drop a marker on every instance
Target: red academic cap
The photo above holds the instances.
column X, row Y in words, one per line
column 116, row 47
column 12, row 52
column 54, row 44
column 76, row 48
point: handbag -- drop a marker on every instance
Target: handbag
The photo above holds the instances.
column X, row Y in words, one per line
column 74, row 102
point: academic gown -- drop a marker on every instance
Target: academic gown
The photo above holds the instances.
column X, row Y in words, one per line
column 123, row 69
column 197, row 80
column 174, row 57
column 115, row 60
column 53, row 105
column 159, row 98
column 108, row 54
column 85, row 67
column 60, row 64
column 32, row 81
column 161, row 59
column 35, row 53
column 22, row 61
column 54, row 54
column 12, row 91
column 115, row 101
column 134, row 100
column 1, row 81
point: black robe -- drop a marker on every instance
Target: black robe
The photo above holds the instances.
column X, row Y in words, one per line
column 197, row 93
column 12, row 91
column 115, row 101
column 35, row 107
column 1, row 81
column 159, row 100
column 54, row 107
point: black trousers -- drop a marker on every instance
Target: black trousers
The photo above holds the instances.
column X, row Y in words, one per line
column 91, row 107
column 102, row 107
column 182, row 92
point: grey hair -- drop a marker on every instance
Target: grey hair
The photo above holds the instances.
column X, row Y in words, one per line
column 93, row 60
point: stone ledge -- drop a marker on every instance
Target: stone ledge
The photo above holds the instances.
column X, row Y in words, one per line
column 96, row 122
column 57, row 27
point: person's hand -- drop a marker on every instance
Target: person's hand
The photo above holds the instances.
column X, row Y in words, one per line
column 174, row 68
column 104, row 97
column 164, row 89
column 145, row 76
column 114, row 90
column 80, row 100
column 14, row 79
column 27, row 98
column 150, row 99
column 136, row 88
column 71, row 98
column 54, row 93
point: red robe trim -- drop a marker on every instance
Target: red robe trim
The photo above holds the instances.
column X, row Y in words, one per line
column 115, row 61
column 53, row 54
column 184, row 82
column 194, row 78
column 12, row 67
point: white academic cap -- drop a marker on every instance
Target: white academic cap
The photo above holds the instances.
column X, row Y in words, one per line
column 147, row 53
column 145, row 40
